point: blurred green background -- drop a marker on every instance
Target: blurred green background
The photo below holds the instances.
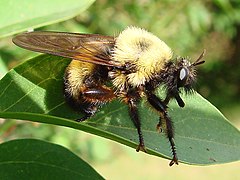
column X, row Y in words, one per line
column 187, row 27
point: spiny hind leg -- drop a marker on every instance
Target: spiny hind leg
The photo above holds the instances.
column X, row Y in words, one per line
column 93, row 98
column 89, row 110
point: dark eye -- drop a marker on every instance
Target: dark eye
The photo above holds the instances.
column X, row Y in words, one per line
column 182, row 76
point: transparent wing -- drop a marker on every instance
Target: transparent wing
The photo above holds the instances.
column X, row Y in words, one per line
column 91, row 48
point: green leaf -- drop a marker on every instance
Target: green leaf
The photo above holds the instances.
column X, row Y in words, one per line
column 35, row 159
column 34, row 91
column 17, row 16
column 3, row 67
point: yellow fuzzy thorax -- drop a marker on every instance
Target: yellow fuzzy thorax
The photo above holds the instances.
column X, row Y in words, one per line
column 145, row 52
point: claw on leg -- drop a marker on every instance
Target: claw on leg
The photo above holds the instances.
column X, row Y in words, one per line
column 141, row 147
column 174, row 161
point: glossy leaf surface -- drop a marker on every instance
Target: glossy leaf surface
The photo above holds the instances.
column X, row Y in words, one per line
column 35, row 159
column 17, row 16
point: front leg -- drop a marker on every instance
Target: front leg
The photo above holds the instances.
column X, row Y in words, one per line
column 166, row 120
column 174, row 94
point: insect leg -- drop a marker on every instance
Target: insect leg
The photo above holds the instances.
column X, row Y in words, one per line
column 86, row 116
column 93, row 98
column 174, row 94
column 132, row 100
column 162, row 109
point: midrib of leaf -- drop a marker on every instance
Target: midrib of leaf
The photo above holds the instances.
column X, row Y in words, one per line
column 204, row 140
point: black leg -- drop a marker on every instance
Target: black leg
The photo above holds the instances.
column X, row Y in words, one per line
column 89, row 109
column 174, row 94
column 161, row 125
column 179, row 100
column 132, row 103
column 166, row 121
column 170, row 135
column 85, row 117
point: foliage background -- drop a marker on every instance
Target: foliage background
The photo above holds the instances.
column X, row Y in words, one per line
column 188, row 27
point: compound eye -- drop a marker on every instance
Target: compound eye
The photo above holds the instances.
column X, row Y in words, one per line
column 183, row 74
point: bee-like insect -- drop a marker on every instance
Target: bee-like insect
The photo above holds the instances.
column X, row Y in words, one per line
column 130, row 66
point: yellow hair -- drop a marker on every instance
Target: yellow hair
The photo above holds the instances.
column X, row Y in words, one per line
column 144, row 51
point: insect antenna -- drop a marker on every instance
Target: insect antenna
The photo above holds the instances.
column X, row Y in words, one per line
column 199, row 61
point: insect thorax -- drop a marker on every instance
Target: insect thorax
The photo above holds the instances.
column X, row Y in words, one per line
column 143, row 55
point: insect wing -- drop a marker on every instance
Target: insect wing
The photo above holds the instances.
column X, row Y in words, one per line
column 91, row 48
